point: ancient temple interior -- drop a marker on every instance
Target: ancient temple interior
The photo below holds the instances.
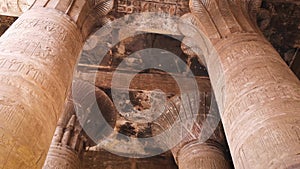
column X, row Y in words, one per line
column 73, row 52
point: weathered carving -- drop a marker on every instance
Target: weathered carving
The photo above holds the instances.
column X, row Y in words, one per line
column 32, row 96
column 87, row 14
column 66, row 146
column 202, row 146
column 198, row 155
column 70, row 139
column 37, row 56
column 257, row 94
column 171, row 7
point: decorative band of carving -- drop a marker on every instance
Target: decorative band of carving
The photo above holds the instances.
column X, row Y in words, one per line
column 61, row 157
column 202, row 155
column 237, row 38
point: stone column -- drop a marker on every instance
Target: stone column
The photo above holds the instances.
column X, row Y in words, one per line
column 257, row 94
column 66, row 147
column 70, row 138
column 198, row 155
column 202, row 146
column 37, row 57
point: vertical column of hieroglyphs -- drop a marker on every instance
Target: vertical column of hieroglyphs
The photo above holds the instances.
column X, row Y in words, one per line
column 37, row 57
column 259, row 97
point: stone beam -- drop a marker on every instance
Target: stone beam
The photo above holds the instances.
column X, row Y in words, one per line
column 104, row 159
column 257, row 94
column 147, row 81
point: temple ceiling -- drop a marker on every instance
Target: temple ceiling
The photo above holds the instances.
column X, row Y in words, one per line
column 279, row 21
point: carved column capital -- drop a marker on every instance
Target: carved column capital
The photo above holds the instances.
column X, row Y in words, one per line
column 220, row 19
column 70, row 137
column 87, row 14
column 67, row 145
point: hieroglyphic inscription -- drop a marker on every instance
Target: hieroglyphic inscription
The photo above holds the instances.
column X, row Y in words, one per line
column 43, row 52
column 243, row 52
column 52, row 42
column 258, row 60
column 275, row 134
column 267, row 128
column 50, row 34
column 57, row 31
column 14, row 112
column 27, row 71
column 5, row 141
column 9, row 117
column 261, row 95
column 257, row 98
column 37, row 57
column 172, row 7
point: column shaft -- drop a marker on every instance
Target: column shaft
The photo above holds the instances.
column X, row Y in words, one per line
column 70, row 137
column 67, row 144
column 257, row 94
column 260, row 97
column 197, row 155
column 37, row 58
column 61, row 157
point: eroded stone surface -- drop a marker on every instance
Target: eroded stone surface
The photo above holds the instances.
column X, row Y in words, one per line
column 37, row 58
column 31, row 97
column 261, row 71
column 252, row 83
